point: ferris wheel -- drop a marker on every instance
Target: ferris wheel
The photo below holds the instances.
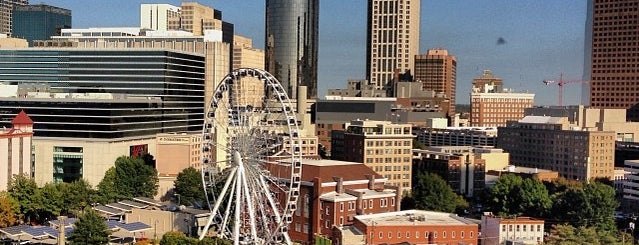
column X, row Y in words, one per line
column 249, row 124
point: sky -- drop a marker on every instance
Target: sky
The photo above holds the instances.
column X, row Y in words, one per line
column 542, row 38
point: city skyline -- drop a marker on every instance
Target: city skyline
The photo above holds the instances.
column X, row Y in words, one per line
column 523, row 43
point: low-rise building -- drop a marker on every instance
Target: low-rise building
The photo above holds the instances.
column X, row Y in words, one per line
column 464, row 172
column 458, row 136
column 524, row 172
column 498, row 230
column 15, row 149
column 408, row 227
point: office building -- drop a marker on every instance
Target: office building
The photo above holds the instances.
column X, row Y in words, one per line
column 553, row 143
column 9, row 42
column 39, row 22
column 291, row 41
column 358, row 88
column 630, row 187
column 518, row 230
column 87, row 119
column 613, row 80
column 245, row 55
column 382, row 145
column 437, row 71
column 332, row 193
column 6, row 12
column 15, row 147
column 458, row 136
column 409, row 227
column 464, row 172
column 158, row 16
column 496, row 109
column 177, row 151
column 414, row 97
column 392, row 39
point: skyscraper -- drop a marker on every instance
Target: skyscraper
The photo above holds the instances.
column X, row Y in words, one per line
column 614, row 67
column 392, row 39
column 39, row 22
column 6, row 11
column 292, row 29
column 157, row 16
column 437, row 71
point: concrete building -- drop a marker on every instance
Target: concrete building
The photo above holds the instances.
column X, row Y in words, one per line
column 437, row 71
column 553, row 143
column 6, row 13
column 631, row 185
column 382, row 145
column 458, row 136
column 291, row 43
column 358, row 88
column 176, row 152
column 15, row 147
column 245, row 55
column 82, row 128
column 497, row 230
column 524, row 172
column 39, row 22
column 408, row 227
column 9, row 42
column 333, row 192
column 612, row 85
column 392, row 39
column 156, row 16
column 412, row 96
column 496, row 109
column 463, row 171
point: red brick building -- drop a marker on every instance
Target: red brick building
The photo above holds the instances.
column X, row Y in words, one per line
column 332, row 193
column 409, row 226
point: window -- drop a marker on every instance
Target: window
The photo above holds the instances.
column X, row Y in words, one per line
column 341, row 220
column 370, row 203
column 452, row 234
column 461, row 233
column 503, row 228
column 408, row 234
column 390, row 234
column 399, row 234
column 393, row 202
column 471, row 234
column 327, row 224
column 443, row 234
column 434, row 234
column 417, row 234
column 538, row 227
column 381, row 235
column 341, row 207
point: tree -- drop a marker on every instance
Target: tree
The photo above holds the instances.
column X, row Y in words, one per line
column 513, row 195
column 90, row 229
column 135, row 178
column 188, row 185
column 25, row 190
column 76, row 195
column 9, row 209
column 569, row 235
column 431, row 192
column 214, row 241
column 591, row 205
column 107, row 191
column 419, row 145
column 51, row 201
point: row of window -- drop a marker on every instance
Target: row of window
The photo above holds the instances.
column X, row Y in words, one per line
column 518, row 227
column 427, row 234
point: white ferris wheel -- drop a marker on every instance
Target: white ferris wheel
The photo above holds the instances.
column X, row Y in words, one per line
column 249, row 120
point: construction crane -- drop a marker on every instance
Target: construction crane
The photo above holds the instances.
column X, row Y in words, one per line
column 561, row 83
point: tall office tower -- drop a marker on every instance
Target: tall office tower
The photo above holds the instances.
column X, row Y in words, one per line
column 614, row 81
column 292, row 29
column 6, row 10
column 437, row 71
column 157, row 16
column 392, row 39
column 39, row 22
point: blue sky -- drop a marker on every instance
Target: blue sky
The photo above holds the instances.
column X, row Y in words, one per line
column 544, row 38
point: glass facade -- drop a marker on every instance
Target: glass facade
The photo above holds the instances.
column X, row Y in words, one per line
column 39, row 22
column 67, row 164
column 105, row 93
column 291, row 43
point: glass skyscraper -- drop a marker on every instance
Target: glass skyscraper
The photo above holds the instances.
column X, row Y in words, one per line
column 39, row 22
column 292, row 28
column 108, row 94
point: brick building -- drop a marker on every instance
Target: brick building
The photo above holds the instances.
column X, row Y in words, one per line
column 437, row 71
column 332, row 193
column 408, row 227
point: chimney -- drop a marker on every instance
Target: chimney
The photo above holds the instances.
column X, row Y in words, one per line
column 371, row 181
column 61, row 235
column 339, row 188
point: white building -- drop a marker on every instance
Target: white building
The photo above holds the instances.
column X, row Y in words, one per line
column 497, row 230
column 15, row 149
column 157, row 16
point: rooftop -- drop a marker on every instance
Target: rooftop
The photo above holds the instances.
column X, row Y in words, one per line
column 21, row 118
column 542, row 120
column 413, row 217
column 326, row 170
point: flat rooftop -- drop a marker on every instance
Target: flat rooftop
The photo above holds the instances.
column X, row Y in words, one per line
column 321, row 163
column 413, row 217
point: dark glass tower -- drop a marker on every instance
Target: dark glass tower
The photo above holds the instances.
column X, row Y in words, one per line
column 39, row 22
column 292, row 28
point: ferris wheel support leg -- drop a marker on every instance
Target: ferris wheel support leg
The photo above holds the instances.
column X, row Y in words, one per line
column 217, row 204
column 237, row 158
column 251, row 208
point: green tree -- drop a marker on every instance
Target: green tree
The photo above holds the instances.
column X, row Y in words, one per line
column 419, row 145
column 591, row 205
column 9, row 209
column 90, row 229
column 569, row 235
column 431, row 192
column 135, row 178
column 107, row 191
column 513, row 195
column 188, row 185
column 177, row 238
column 214, row 241
column 51, row 201
column 25, row 190
column 76, row 195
